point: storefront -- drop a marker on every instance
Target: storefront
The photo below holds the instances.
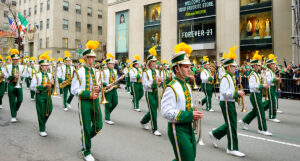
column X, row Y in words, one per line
column 152, row 29
column 122, row 35
column 196, row 22
column 255, row 28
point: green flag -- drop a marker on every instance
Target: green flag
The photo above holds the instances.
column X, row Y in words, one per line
column 23, row 21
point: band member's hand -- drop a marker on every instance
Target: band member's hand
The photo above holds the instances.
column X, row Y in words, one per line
column 109, row 85
column 159, row 79
column 93, row 95
column 197, row 115
column 241, row 93
column 16, row 76
column 278, row 79
column 96, row 89
column 64, row 82
column 51, row 83
column 191, row 78
column 266, row 86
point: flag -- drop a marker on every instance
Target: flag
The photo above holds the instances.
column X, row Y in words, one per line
column 12, row 25
column 23, row 22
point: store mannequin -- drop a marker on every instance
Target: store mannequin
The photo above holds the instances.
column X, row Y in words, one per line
column 257, row 28
column 249, row 29
column 268, row 29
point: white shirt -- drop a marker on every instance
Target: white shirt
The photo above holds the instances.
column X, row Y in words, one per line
column 221, row 71
column 227, row 88
column 148, row 81
column 79, row 81
column 37, row 80
column 133, row 74
column 205, row 74
column 8, row 71
column 269, row 77
column 254, row 82
column 126, row 71
column 61, row 72
column 105, row 76
column 173, row 101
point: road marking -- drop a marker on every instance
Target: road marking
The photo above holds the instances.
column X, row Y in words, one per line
column 270, row 140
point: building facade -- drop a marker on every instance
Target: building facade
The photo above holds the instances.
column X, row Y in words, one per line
column 6, row 35
column 60, row 25
column 211, row 27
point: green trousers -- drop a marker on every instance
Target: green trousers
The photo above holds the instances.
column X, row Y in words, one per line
column 138, row 92
column 183, row 141
column 66, row 90
column 229, row 128
column 151, row 115
column 257, row 111
column 27, row 80
column 61, row 91
column 2, row 91
column 43, row 103
column 208, row 91
column 15, row 96
column 272, row 94
column 32, row 93
column 90, row 117
column 112, row 98
column 6, row 84
column 127, row 81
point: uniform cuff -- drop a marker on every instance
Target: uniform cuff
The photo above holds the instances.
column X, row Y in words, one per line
column 210, row 79
column 85, row 94
column 274, row 80
column 261, row 87
column 235, row 95
column 60, row 80
column 104, row 84
column 11, row 78
column 184, row 117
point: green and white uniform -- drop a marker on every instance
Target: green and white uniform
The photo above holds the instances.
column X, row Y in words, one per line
column 15, row 95
column 166, row 76
column 150, row 77
column 90, row 115
column 43, row 101
column 109, row 76
column 64, row 73
column 127, row 78
column 31, row 72
column 136, row 86
column 256, row 87
column 2, row 86
column 228, row 95
column 176, row 107
column 207, row 87
column 270, row 79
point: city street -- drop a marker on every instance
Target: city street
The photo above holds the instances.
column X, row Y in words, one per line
column 127, row 141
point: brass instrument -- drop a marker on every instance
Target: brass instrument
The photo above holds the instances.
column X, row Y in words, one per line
column 55, row 93
column 195, row 84
column 197, row 126
column 241, row 99
column 103, row 99
column 67, row 82
column 298, row 81
column 278, row 83
column 1, row 77
column 18, row 81
column 113, row 85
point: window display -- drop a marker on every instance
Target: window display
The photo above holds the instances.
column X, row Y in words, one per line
column 253, row 2
column 122, row 21
column 152, row 13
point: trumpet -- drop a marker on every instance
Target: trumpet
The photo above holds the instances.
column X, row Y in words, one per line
column 197, row 127
column 278, row 82
column 241, row 99
column 113, row 85
column 18, row 81
column 55, row 93
column 103, row 99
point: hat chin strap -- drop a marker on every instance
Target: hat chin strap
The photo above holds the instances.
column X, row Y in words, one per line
column 180, row 72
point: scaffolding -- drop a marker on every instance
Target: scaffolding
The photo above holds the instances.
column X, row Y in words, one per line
column 295, row 31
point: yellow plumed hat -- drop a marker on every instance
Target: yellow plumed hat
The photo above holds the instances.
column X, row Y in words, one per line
column 272, row 59
column 256, row 59
column 136, row 59
column 67, row 55
column 1, row 58
column 231, row 57
column 81, row 61
column 91, row 45
column 182, row 54
column 205, row 60
column 8, row 58
column 14, row 53
column 44, row 59
column 224, row 57
column 110, row 58
column 152, row 56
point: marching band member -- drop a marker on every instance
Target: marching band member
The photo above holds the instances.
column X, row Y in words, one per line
column 221, row 68
column 256, row 88
column 109, row 77
column 8, row 62
column 127, row 77
column 27, row 66
column 31, row 72
column 41, row 84
column 151, row 82
column 60, row 63
column 271, row 80
column 14, row 74
column 85, row 85
column 81, row 63
column 137, row 90
column 165, row 74
column 176, row 107
column 65, row 75
column 228, row 94
column 207, row 86
column 2, row 82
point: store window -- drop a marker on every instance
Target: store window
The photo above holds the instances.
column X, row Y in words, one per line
column 152, row 29
column 255, row 28
column 122, row 35
column 65, row 42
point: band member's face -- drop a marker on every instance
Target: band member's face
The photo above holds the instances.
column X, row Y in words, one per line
column 32, row 64
column 185, row 69
column 110, row 65
column 206, row 66
column 152, row 64
column 90, row 60
column 127, row 65
column 272, row 66
column 136, row 65
column 231, row 69
column 44, row 67
column 15, row 61
column 68, row 62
